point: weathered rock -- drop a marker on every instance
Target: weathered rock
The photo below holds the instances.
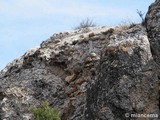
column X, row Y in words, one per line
column 70, row 78
column 126, row 81
column 102, row 37
column 80, row 81
column 41, row 74
column 91, row 34
column 84, row 77
column 152, row 23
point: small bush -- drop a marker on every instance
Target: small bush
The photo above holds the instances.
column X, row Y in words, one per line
column 85, row 24
column 44, row 112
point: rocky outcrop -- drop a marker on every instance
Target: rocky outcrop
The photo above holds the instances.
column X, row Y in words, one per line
column 152, row 22
column 96, row 73
column 99, row 73
column 58, row 71
column 126, row 81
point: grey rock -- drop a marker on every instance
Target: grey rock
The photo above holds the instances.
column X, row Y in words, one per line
column 125, row 82
column 152, row 22
column 94, row 80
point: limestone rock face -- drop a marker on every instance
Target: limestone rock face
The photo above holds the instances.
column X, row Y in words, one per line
column 126, row 80
column 97, row 73
column 152, row 22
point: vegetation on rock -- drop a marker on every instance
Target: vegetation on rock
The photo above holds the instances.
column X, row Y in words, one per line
column 85, row 24
column 44, row 112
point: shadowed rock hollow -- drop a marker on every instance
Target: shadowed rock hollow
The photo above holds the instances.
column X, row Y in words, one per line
column 98, row 73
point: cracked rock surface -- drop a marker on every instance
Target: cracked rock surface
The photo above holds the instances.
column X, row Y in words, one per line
column 152, row 22
column 97, row 73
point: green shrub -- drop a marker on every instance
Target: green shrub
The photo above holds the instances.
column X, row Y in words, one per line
column 44, row 112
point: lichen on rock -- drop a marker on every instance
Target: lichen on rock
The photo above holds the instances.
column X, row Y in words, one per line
column 96, row 74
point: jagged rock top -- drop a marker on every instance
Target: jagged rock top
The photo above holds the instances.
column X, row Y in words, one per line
column 55, row 44
column 55, row 41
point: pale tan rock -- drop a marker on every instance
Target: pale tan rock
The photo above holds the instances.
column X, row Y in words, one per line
column 72, row 90
column 70, row 78
column 91, row 34
column 102, row 37
column 80, row 81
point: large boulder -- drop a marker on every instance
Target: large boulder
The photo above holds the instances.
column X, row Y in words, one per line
column 57, row 71
column 152, row 22
column 126, row 81
column 98, row 73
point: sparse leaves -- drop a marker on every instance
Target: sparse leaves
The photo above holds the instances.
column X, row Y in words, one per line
column 141, row 15
column 85, row 24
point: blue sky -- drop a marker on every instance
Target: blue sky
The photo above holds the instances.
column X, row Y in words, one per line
column 26, row 23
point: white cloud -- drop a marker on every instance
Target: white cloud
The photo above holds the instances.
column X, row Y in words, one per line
column 41, row 8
